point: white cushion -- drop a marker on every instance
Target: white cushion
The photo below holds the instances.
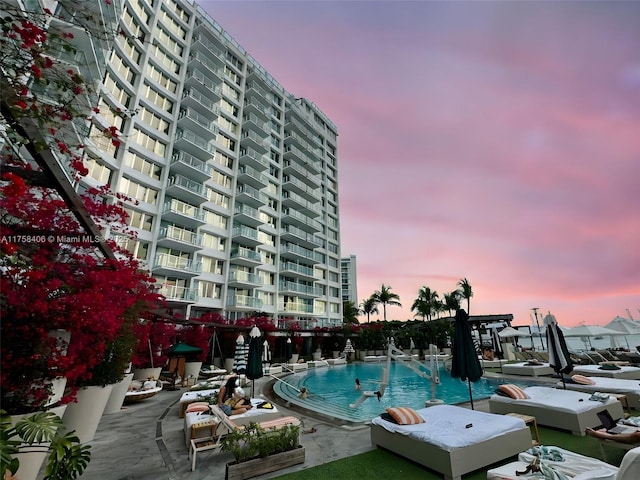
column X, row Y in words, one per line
column 630, row 466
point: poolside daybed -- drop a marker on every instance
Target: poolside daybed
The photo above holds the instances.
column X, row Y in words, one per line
column 445, row 444
column 621, row 386
column 568, row 463
column 527, row 368
column 564, row 409
column 628, row 372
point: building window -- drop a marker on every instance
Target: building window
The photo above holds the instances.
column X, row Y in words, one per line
column 147, row 141
column 118, row 93
column 153, row 120
column 137, row 191
column 156, row 98
column 161, row 79
column 138, row 249
column 100, row 173
column 215, row 220
column 209, row 289
column 150, row 169
column 140, row 220
column 211, row 265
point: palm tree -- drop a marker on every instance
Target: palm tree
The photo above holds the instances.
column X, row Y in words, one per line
column 465, row 292
column 350, row 312
column 386, row 297
column 369, row 306
column 426, row 303
column 452, row 301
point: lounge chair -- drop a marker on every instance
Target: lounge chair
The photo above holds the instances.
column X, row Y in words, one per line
column 558, row 408
column 622, row 371
column 266, row 424
column 557, row 459
column 453, row 440
column 217, row 424
column 632, row 357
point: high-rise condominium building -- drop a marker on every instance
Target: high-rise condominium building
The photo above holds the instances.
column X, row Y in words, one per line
column 349, row 279
column 233, row 180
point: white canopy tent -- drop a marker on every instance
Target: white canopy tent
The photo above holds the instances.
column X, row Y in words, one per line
column 585, row 332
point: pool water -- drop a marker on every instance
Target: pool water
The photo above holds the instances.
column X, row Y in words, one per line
column 332, row 389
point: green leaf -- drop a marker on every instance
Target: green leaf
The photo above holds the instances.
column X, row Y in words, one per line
column 39, row 427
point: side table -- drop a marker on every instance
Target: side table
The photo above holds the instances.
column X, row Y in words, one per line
column 529, row 421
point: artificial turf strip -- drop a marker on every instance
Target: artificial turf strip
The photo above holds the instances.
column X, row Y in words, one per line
column 381, row 465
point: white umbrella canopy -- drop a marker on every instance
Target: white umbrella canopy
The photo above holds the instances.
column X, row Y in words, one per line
column 590, row 331
column 624, row 325
column 510, row 332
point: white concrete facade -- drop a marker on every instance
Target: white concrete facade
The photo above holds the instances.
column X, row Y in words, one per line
column 233, row 180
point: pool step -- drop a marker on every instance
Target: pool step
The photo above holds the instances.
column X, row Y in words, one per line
column 318, row 403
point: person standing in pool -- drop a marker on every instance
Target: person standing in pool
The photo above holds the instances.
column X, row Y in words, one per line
column 357, row 384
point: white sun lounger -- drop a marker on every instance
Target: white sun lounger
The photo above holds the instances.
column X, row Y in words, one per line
column 575, row 466
column 631, row 373
column 558, row 408
column 569, row 463
column 524, row 368
column 621, row 386
column 445, row 444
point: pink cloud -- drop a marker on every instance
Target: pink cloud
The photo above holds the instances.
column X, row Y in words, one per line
column 495, row 141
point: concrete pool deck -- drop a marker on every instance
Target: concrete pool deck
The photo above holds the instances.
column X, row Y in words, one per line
column 145, row 441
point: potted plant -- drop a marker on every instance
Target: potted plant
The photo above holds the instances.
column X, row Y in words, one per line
column 150, row 355
column 258, row 451
column 38, row 434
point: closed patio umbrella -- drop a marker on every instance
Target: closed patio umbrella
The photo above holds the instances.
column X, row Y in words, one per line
column 497, row 344
column 289, row 350
column 266, row 354
column 240, row 356
column 348, row 347
column 559, row 358
column 254, row 358
column 464, row 364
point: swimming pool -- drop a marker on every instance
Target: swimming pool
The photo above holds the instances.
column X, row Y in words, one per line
column 332, row 389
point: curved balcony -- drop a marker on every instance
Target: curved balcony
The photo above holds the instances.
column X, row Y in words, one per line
column 245, row 256
column 186, row 189
column 175, row 266
column 243, row 302
column 190, row 166
column 239, row 279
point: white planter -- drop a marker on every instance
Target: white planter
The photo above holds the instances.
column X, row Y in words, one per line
column 228, row 364
column 191, row 371
column 58, row 385
column 145, row 373
column 84, row 415
column 316, row 356
column 114, row 404
column 31, row 462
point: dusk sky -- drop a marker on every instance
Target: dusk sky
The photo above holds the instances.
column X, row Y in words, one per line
column 497, row 141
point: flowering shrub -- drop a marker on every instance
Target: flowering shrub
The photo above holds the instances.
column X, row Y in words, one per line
column 53, row 275
column 197, row 336
column 154, row 339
